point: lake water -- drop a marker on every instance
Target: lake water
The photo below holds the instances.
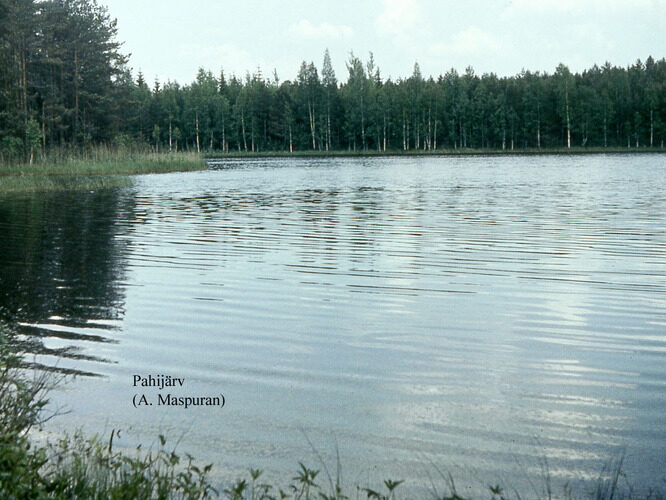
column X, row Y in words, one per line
column 475, row 315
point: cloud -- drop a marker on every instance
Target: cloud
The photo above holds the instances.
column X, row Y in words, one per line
column 398, row 17
column 306, row 29
column 546, row 5
column 574, row 6
column 470, row 41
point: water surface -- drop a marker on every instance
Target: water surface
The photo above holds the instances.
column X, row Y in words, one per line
column 468, row 314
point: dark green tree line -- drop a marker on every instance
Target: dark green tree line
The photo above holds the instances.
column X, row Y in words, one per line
column 604, row 106
column 65, row 85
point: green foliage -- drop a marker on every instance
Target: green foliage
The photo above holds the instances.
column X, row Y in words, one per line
column 89, row 468
column 21, row 403
column 390, row 486
column 33, row 137
column 65, row 86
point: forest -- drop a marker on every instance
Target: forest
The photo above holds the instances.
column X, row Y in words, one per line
column 65, row 86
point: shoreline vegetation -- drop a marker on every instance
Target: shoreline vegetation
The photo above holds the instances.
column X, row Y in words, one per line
column 89, row 467
column 343, row 153
column 96, row 170
column 67, row 85
column 103, row 168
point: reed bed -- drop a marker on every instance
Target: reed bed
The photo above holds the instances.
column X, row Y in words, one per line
column 96, row 170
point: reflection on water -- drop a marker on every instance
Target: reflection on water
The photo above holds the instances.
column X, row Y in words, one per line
column 61, row 269
column 474, row 313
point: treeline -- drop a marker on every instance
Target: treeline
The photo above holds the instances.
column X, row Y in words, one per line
column 65, row 85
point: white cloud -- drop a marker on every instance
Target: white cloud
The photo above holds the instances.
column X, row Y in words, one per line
column 546, row 5
column 470, row 41
column 575, row 6
column 306, row 29
column 398, row 17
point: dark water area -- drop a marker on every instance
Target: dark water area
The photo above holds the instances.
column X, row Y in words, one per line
column 476, row 315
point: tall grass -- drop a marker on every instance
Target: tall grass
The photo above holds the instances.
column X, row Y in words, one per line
column 29, row 184
column 107, row 163
column 95, row 169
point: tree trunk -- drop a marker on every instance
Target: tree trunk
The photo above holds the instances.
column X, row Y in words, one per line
column 538, row 126
column 43, row 130
column 24, row 77
column 197, row 129
column 434, row 138
column 311, row 113
column 76, row 95
column 584, row 141
column 291, row 144
column 429, row 131
column 605, row 128
column 243, row 129
column 224, row 138
column 566, row 99
column 170, row 135
column 362, row 126
column 328, row 122
column 513, row 133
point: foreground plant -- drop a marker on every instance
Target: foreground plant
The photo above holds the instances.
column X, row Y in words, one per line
column 77, row 467
column 90, row 468
column 21, row 403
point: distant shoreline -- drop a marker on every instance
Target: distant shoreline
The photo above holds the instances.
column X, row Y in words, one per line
column 115, row 169
column 434, row 153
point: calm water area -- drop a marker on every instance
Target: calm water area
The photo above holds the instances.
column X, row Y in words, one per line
column 474, row 315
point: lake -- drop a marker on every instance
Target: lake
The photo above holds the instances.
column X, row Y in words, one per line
column 478, row 315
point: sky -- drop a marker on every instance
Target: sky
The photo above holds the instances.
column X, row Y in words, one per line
column 171, row 39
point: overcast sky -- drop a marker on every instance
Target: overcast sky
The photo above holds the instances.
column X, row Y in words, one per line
column 171, row 39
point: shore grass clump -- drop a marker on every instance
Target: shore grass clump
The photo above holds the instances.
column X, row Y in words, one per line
column 31, row 184
column 97, row 169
